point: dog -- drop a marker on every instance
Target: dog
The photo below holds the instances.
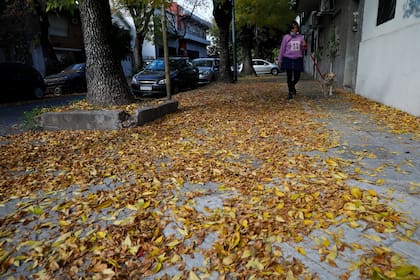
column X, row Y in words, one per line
column 328, row 83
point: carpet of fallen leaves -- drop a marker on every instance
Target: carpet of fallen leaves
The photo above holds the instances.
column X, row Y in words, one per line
column 95, row 204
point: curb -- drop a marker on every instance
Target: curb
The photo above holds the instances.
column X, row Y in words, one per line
column 105, row 119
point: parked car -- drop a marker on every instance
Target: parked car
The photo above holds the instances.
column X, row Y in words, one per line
column 19, row 82
column 151, row 81
column 262, row 66
column 208, row 69
column 72, row 78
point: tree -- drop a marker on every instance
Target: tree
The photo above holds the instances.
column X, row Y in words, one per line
column 106, row 83
column 141, row 11
column 23, row 22
column 222, row 12
column 257, row 15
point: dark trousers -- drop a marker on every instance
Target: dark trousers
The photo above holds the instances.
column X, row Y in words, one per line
column 292, row 79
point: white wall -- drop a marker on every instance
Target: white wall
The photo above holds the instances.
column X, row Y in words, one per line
column 389, row 59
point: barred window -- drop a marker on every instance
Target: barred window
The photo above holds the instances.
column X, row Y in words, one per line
column 386, row 11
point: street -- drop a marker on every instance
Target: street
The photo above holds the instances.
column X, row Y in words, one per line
column 12, row 114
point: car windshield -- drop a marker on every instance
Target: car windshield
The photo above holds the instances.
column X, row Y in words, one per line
column 74, row 67
column 203, row 63
column 159, row 64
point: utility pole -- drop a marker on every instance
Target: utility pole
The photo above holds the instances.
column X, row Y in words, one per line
column 235, row 67
column 165, row 54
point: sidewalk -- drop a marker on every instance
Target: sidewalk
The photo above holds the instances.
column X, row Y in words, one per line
column 238, row 184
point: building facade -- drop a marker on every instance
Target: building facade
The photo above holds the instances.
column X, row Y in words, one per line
column 370, row 45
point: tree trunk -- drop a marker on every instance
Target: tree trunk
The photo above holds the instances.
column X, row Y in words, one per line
column 222, row 13
column 106, row 84
column 247, row 39
column 140, row 41
column 52, row 65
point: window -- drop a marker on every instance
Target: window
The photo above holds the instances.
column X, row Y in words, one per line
column 386, row 11
column 58, row 26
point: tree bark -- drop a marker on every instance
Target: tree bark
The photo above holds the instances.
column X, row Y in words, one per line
column 106, row 84
column 247, row 45
column 222, row 13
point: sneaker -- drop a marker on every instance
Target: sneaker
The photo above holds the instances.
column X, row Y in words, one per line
column 290, row 96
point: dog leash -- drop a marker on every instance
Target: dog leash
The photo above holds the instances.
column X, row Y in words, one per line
column 316, row 66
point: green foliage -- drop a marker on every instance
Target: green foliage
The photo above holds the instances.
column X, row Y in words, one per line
column 31, row 118
column 60, row 5
column 333, row 44
column 267, row 20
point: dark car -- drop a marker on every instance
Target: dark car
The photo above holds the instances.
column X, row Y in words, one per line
column 71, row 79
column 19, row 82
column 151, row 81
column 208, row 68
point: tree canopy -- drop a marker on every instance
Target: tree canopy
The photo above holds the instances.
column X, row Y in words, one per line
column 260, row 25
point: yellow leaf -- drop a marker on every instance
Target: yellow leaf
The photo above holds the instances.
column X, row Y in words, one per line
column 354, row 224
column 131, row 207
column 280, row 205
column 355, row 192
column 390, row 274
column 380, row 181
column 228, row 260
column 183, row 232
column 172, row 244
column 255, row 263
column 372, row 237
column 330, row 215
column 159, row 240
column 280, row 219
column 193, row 276
column 325, row 242
column 83, row 217
column 331, row 162
column 290, row 275
column 405, row 270
column 108, row 271
column 63, row 223
column 235, row 240
column 158, row 267
column 300, row 250
column 372, row 193
column 279, row 193
column 101, row 234
column 104, row 204
column 246, row 254
column 332, row 254
column 308, row 222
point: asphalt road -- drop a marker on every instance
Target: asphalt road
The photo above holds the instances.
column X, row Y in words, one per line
column 12, row 115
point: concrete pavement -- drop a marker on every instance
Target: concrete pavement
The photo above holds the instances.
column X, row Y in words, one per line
column 377, row 159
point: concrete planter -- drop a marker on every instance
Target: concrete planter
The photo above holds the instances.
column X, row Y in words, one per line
column 105, row 119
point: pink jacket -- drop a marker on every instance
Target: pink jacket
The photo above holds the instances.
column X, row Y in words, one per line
column 291, row 47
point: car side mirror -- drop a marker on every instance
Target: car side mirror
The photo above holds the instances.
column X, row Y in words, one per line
column 216, row 68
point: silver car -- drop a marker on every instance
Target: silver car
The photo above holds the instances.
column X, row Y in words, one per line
column 208, row 69
column 262, row 66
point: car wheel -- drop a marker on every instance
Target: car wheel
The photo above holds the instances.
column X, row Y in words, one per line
column 274, row 71
column 58, row 91
column 38, row 93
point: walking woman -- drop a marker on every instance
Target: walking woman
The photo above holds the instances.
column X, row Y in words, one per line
column 291, row 56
